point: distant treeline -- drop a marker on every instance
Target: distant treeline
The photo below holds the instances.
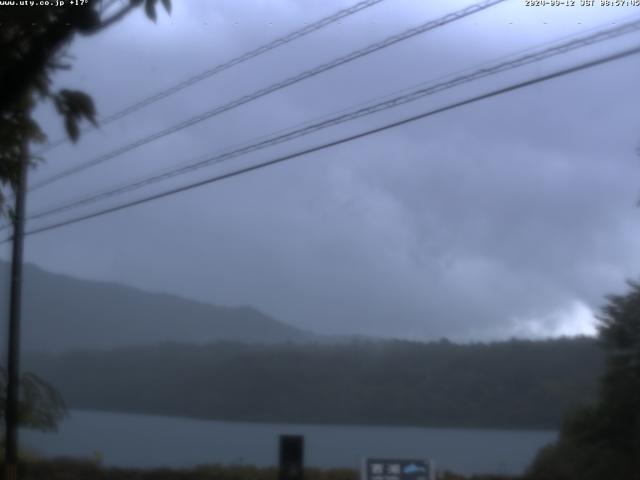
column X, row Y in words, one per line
column 514, row 384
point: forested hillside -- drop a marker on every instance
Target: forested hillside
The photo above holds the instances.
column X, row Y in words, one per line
column 516, row 384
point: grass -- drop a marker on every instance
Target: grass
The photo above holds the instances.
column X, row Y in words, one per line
column 75, row 469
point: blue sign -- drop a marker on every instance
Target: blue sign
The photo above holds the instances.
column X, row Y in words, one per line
column 398, row 469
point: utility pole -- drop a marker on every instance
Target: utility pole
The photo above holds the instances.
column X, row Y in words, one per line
column 13, row 352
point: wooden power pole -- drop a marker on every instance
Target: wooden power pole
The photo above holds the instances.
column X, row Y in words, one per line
column 15, row 303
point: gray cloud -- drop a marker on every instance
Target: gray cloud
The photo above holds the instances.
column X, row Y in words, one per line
column 513, row 216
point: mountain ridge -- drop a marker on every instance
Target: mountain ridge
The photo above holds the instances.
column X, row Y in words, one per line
column 62, row 312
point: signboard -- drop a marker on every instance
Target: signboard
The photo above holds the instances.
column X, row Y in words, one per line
column 397, row 469
column 291, row 457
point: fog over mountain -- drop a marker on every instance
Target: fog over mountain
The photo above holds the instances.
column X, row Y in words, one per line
column 513, row 216
column 62, row 312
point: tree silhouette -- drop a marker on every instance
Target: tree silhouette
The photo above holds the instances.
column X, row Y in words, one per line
column 33, row 42
column 603, row 440
column 41, row 406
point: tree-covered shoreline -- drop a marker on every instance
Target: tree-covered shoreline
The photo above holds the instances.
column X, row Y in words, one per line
column 518, row 384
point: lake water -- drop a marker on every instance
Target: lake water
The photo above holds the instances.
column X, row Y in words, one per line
column 153, row 441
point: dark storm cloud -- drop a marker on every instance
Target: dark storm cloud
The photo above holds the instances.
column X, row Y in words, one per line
column 510, row 216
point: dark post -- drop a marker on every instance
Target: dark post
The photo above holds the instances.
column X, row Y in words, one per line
column 291, row 457
column 13, row 353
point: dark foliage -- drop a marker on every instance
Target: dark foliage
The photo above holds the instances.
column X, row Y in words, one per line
column 603, row 440
column 517, row 384
column 41, row 406
column 32, row 48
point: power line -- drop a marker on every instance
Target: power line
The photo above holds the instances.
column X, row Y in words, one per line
column 494, row 93
column 501, row 67
column 278, row 42
column 412, row 32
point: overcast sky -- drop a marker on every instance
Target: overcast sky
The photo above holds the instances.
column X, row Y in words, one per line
column 513, row 216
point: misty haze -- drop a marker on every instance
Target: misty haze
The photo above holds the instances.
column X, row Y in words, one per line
column 338, row 240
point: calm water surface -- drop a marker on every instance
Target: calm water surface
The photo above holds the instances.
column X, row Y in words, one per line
column 151, row 441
